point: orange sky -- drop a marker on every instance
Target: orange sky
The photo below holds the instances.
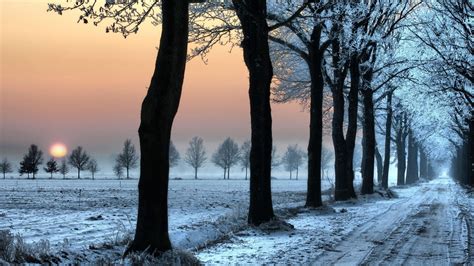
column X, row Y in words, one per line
column 69, row 82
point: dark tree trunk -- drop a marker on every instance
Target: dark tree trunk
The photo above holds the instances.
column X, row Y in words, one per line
column 252, row 15
column 344, row 189
column 352, row 122
column 246, row 171
column 128, row 176
column 290, row 175
column 196, row 173
column 379, row 164
column 388, row 133
column 158, row 111
column 369, row 142
column 313, row 197
column 423, row 164
column 412, row 167
column 225, row 171
column 401, row 149
column 228, row 173
column 296, row 173
column 78, row 173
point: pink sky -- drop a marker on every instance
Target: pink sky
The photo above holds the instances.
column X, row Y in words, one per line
column 69, row 82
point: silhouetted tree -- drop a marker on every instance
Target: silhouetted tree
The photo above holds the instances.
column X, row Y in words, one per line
column 196, row 154
column 51, row 167
column 5, row 167
column 174, row 155
column 158, row 108
column 226, row 156
column 128, row 159
column 245, row 156
column 79, row 160
column 31, row 161
column 63, row 168
column 92, row 167
column 252, row 15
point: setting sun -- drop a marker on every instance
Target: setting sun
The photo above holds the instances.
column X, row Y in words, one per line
column 58, row 150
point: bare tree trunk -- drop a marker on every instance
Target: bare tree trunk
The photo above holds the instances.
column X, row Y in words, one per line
column 158, row 111
column 296, row 173
column 246, row 171
column 379, row 164
column 344, row 189
column 352, row 122
column 412, row 167
column 78, row 173
column 401, row 157
column 128, row 176
column 423, row 164
column 252, row 15
column 369, row 143
column 313, row 196
column 388, row 133
column 228, row 173
column 195, row 173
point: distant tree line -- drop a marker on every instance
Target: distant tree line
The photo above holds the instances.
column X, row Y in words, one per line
column 227, row 155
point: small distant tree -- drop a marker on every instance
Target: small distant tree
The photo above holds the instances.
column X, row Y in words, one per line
column 93, row 167
column 196, row 154
column 292, row 159
column 5, row 167
column 275, row 158
column 51, row 167
column 118, row 168
column 79, row 160
column 128, row 159
column 31, row 161
column 227, row 155
column 63, row 168
column 174, row 155
column 245, row 156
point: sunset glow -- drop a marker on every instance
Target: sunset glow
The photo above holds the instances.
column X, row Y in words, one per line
column 58, row 150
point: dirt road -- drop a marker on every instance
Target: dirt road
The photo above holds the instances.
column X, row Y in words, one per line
column 428, row 224
column 433, row 227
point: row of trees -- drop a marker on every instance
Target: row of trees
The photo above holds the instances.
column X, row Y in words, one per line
column 33, row 159
column 227, row 155
column 334, row 56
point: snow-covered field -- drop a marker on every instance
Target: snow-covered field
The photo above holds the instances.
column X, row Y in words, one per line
column 429, row 223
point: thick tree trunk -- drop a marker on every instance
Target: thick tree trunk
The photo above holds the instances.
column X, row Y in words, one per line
column 313, row 196
column 158, row 111
column 352, row 122
column 78, row 173
column 344, row 189
column 412, row 167
column 195, row 173
column 423, row 164
column 369, row 143
column 388, row 133
column 379, row 164
column 252, row 15
column 401, row 158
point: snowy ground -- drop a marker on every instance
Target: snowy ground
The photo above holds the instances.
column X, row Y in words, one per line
column 428, row 224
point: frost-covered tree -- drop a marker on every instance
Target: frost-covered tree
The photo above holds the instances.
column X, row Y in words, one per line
column 51, row 167
column 128, row 159
column 196, row 154
column 93, row 167
column 5, row 167
column 118, row 170
column 79, row 160
column 31, row 161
